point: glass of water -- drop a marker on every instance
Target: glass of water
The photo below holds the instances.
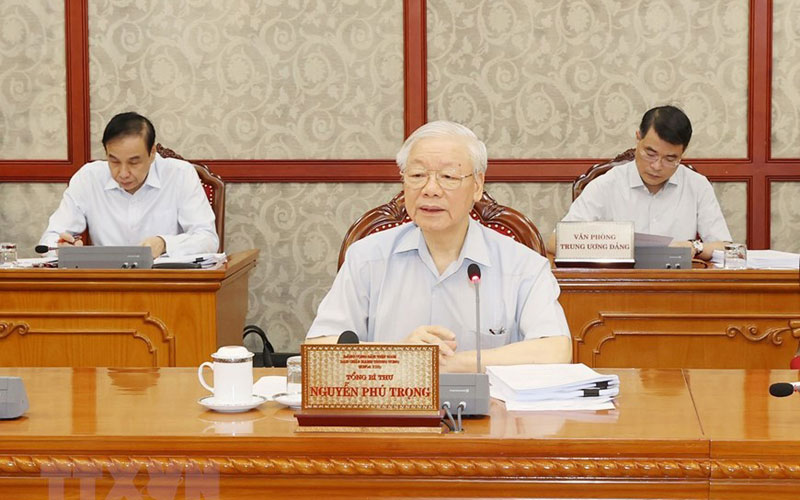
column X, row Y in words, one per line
column 294, row 376
column 8, row 254
column 735, row 256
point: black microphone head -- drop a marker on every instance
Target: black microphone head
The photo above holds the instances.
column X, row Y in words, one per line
column 348, row 337
column 42, row 248
column 781, row 389
column 474, row 272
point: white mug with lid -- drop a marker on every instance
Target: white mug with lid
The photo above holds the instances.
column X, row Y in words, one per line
column 233, row 375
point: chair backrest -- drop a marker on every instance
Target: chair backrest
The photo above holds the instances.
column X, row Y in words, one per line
column 487, row 211
column 213, row 186
column 599, row 169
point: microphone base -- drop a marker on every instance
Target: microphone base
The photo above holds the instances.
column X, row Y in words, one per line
column 13, row 399
column 470, row 388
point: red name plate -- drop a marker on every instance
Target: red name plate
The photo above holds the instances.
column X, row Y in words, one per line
column 371, row 377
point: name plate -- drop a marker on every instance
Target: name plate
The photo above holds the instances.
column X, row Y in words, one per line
column 370, row 377
column 599, row 242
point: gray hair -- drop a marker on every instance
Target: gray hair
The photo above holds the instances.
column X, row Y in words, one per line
column 476, row 149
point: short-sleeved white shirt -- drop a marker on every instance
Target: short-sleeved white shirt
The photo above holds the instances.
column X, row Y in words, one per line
column 389, row 285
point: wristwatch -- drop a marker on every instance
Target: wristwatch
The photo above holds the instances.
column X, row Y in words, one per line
column 698, row 246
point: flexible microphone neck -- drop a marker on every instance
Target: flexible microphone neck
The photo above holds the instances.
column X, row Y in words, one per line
column 474, row 273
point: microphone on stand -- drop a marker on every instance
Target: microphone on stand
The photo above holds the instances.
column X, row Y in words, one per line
column 783, row 389
column 474, row 273
column 467, row 393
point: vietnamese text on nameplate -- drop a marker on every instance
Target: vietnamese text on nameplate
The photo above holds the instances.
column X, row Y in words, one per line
column 597, row 240
column 371, row 377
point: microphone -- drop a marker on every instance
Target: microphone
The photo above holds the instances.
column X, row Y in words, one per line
column 474, row 273
column 44, row 248
column 468, row 392
column 347, row 337
column 783, row 389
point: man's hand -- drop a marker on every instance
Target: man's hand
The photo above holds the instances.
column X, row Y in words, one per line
column 437, row 335
column 683, row 243
column 156, row 243
column 68, row 240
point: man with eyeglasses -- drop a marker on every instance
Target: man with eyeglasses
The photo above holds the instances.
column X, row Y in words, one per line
column 655, row 191
column 409, row 284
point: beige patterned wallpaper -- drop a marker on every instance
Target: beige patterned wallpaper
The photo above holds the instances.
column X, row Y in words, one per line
column 786, row 79
column 785, row 226
column 299, row 227
column 247, row 79
column 552, row 79
column 32, row 80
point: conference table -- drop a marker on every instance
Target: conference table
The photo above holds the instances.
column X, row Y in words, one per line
column 140, row 433
column 691, row 318
column 122, row 317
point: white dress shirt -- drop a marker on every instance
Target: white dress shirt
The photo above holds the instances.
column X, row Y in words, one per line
column 683, row 208
column 171, row 204
column 389, row 285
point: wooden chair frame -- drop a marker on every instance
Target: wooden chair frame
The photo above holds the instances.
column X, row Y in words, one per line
column 487, row 211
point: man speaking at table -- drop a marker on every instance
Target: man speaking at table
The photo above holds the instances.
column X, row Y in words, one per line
column 409, row 284
column 135, row 197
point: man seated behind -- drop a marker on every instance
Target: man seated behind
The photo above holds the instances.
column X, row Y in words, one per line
column 655, row 191
column 409, row 284
column 135, row 197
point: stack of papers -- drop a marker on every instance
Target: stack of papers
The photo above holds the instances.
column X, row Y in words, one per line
column 763, row 259
column 552, row 387
column 206, row 260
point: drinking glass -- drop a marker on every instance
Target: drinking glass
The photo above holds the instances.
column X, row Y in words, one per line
column 294, row 376
column 8, row 254
column 735, row 256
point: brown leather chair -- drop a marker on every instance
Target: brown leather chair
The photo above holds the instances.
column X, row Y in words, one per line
column 487, row 211
column 601, row 168
column 212, row 185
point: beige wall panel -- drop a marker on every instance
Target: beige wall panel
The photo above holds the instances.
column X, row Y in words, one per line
column 24, row 211
column 732, row 198
column 786, row 79
column 33, row 96
column 785, row 209
column 250, row 79
column 571, row 79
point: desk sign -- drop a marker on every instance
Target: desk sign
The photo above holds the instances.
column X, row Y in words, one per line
column 370, row 377
column 599, row 243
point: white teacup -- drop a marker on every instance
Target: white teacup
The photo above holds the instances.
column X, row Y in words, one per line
column 233, row 374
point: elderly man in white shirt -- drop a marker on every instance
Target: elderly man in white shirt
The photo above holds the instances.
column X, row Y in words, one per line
column 135, row 197
column 409, row 284
column 655, row 191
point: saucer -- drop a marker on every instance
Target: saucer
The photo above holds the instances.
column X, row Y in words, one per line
column 292, row 401
column 231, row 407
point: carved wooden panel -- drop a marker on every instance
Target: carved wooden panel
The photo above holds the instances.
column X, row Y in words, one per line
column 697, row 340
column 81, row 338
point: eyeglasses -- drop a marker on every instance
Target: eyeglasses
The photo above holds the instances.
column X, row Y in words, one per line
column 652, row 157
column 447, row 179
